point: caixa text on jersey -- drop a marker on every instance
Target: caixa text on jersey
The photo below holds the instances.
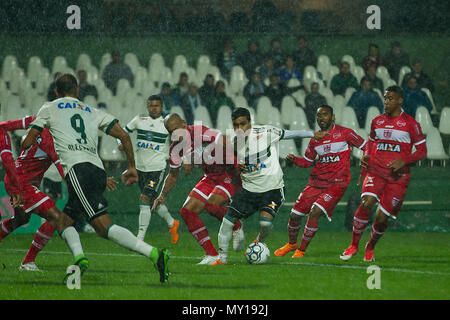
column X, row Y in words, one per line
column 73, row 105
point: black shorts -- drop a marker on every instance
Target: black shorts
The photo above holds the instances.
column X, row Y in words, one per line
column 244, row 203
column 86, row 184
column 51, row 188
column 149, row 182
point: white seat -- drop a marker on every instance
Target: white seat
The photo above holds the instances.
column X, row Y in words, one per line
column 293, row 82
column 114, row 107
column 338, row 107
column 383, row 74
column 166, row 75
column 349, row 119
column 59, row 64
column 390, row 82
column 323, row 64
column 372, row 112
column 299, row 120
column 435, row 148
column 36, row 104
column 262, row 110
column 223, row 121
column 444, row 121
column 240, row 101
column 214, row 70
column 304, row 145
column 178, row 110
column 34, row 68
column 403, row 71
column 90, row 101
column 9, row 66
column 358, row 72
column 202, row 116
column 287, row 106
column 424, row 119
column 109, row 151
column 123, row 87
column 132, row 61
column 83, row 62
column 428, row 92
column 287, row 147
column 332, row 71
column 300, row 96
column 348, row 94
column 13, row 109
column 309, row 77
column 104, row 61
column 238, row 80
column 203, row 63
column 328, row 94
column 179, row 65
column 274, row 118
column 380, row 94
column 350, row 60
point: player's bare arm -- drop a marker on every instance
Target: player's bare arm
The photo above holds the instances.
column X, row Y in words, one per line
column 31, row 137
column 169, row 183
column 290, row 158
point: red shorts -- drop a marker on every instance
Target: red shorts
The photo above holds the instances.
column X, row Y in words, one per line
column 33, row 199
column 217, row 184
column 389, row 193
column 324, row 198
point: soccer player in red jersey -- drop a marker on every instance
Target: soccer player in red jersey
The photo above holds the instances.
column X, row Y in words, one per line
column 215, row 188
column 386, row 163
column 328, row 181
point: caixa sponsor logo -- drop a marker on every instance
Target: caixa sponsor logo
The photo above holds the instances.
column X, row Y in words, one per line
column 390, row 147
column 73, row 105
column 330, row 159
column 150, row 146
column 256, row 167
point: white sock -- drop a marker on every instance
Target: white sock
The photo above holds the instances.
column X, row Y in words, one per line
column 225, row 235
column 164, row 213
column 72, row 238
column 265, row 227
column 145, row 215
column 124, row 238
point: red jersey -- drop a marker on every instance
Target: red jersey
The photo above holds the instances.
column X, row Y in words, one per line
column 333, row 164
column 392, row 138
column 17, row 124
column 7, row 158
column 198, row 146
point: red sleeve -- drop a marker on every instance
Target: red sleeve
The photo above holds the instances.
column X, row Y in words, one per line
column 355, row 140
column 46, row 145
column 308, row 158
column 418, row 139
column 8, row 160
column 208, row 135
column 18, row 124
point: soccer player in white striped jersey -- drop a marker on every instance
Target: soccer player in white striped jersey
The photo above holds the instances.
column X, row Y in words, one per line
column 152, row 153
column 74, row 127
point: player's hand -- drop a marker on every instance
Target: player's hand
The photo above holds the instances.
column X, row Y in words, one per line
column 111, row 184
column 396, row 164
column 187, row 169
column 243, row 167
column 320, row 135
column 160, row 200
column 290, row 158
column 364, row 161
column 16, row 200
column 120, row 147
column 130, row 176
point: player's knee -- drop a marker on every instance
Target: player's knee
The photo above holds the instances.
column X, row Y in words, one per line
column 381, row 217
column 146, row 199
column 186, row 213
column 368, row 202
column 315, row 212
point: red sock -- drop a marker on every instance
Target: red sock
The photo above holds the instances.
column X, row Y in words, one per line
column 5, row 229
column 293, row 229
column 197, row 228
column 219, row 212
column 311, row 228
column 378, row 230
column 43, row 234
column 360, row 221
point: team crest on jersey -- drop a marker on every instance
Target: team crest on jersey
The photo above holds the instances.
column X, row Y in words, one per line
column 380, row 122
column 327, row 148
column 387, row 134
column 327, row 197
column 395, row 202
column 337, row 135
column 227, row 180
column 401, row 123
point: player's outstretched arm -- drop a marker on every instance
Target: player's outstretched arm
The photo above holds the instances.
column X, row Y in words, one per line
column 31, row 137
column 299, row 162
column 169, row 183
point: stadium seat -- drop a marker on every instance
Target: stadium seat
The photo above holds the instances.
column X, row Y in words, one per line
column 304, row 145
column 104, row 61
column 13, row 108
column 179, row 65
column 83, row 62
column 92, row 75
column 380, row 94
column 428, row 92
column 390, row 82
column 36, row 104
column 328, row 94
column 114, row 107
column 287, row 106
column 16, row 81
column 287, row 147
column 41, row 86
column 140, row 79
column 358, row 72
column 262, row 110
column 238, row 80
column 215, row 72
column 323, row 64
column 240, row 101
column 350, row 60
column 9, row 66
column 132, row 61
column 372, row 112
column 166, row 75
column 203, row 63
column 403, row 71
column 444, row 121
column 156, row 66
column 224, row 119
column 300, row 96
column 104, row 95
column 123, row 87
column 90, row 101
column 309, row 76
column 435, row 148
column 338, row 107
column 59, row 64
column 179, row 111
column 424, row 119
column 293, row 82
column 202, row 116
column 383, row 74
column 349, row 119
column 274, row 118
column 109, row 151
column 34, row 68
column 299, row 120
column 332, row 71
column 348, row 94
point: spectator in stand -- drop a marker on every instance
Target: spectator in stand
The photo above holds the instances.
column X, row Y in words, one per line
column 182, row 87
column 373, row 59
column 364, row 98
column 290, row 70
column 86, row 89
column 220, row 99
column 423, row 80
column 168, row 97
column 312, row 101
column 304, row 56
column 268, row 68
column 254, row 89
column 413, row 98
column 375, row 82
column 251, row 59
column 116, row 70
column 275, row 52
column 395, row 59
column 51, row 95
column 208, row 90
column 189, row 103
column 227, row 59
column 277, row 90
column 343, row 80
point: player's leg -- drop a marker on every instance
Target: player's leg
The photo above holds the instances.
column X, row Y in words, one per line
column 41, row 237
column 270, row 202
column 10, row 224
column 311, row 227
column 145, row 215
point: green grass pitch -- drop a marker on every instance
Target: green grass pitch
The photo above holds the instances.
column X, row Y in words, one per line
column 413, row 266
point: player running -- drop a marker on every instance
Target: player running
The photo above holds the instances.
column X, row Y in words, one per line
column 74, row 127
column 153, row 144
column 328, row 180
column 386, row 159
column 262, row 177
column 214, row 189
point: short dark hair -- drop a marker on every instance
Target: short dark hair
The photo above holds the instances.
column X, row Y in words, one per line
column 240, row 112
column 154, row 97
column 66, row 84
column 398, row 90
column 327, row 107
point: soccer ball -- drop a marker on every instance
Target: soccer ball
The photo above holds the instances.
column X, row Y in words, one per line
column 257, row 253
